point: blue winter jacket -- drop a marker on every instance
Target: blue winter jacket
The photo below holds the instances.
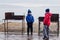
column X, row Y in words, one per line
column 29, row 18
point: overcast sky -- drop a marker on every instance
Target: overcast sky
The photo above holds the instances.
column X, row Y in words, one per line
column 31, row 1
column 21, row 6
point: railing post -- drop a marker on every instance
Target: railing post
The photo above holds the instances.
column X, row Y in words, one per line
column 58, row 29
column 38, row 28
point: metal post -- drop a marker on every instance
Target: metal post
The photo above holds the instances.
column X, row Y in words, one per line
column 39, row 29
column 7, row 27
column 58, row 29
column 4, row 28
column 22, row 27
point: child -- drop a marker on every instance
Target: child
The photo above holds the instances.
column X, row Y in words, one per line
column 30, row 20
column 46, row 23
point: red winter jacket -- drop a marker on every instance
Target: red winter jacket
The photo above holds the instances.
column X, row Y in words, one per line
column 47, row 19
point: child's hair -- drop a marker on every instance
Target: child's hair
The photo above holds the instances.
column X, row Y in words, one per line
column 47, row 10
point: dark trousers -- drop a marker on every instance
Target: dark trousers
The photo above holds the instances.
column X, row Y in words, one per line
column 29, row 28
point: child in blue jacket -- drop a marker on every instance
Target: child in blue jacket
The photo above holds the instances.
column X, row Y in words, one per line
column 30, row 20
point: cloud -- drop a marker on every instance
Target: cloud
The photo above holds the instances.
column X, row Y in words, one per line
column 28, row 4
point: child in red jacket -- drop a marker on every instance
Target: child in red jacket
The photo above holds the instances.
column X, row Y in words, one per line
column 46, row 23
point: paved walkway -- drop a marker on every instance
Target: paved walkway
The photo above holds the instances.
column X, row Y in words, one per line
column 24, row 37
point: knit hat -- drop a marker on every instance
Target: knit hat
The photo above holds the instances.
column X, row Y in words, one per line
column 29, row 11
column 47, row 10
